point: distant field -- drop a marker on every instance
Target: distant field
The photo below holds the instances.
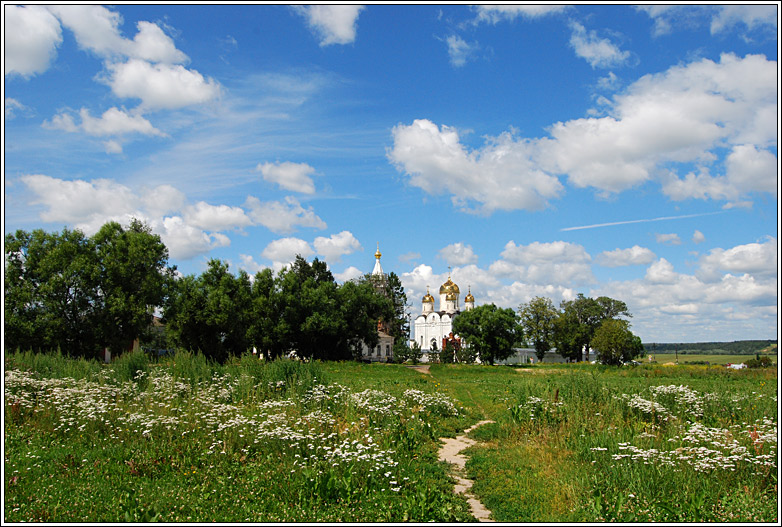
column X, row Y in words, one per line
column 711, row 359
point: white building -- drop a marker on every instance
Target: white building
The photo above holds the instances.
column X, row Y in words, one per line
column 432, row 327
column 384, row 351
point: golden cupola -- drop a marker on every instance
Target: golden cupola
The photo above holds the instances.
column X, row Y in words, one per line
column 469, row 297
column 428, row 299
column 449, row 287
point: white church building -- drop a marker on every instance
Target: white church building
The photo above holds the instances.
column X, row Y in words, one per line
column 432, row 327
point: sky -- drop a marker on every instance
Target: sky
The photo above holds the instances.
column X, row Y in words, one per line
column 524, row 150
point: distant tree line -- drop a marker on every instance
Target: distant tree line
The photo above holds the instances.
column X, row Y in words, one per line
column 578, row 325
column 738, row 347
column 81, row 294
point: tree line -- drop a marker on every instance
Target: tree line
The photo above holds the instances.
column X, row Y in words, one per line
column 81, row 294
column 491, row 333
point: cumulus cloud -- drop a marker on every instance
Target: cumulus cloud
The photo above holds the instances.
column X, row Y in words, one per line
column 85, row 205
column 336, row 246
column 333, row 24
column 283, row 252
column 113, row 122
column 459, row 50
column 698, row 237
column 290, row 176
column 351, row 273
column 598, row 52
column 758, row 259
column 160, row 86
column 668, row 239
column 216, row 217
column 31, row 36
column 751, row 16
column 545, row 263
column 282, row 217
column 186, row 241
column 458, row 254
column 635, row 255
column 97, row 29
column 162, row 200
column 496, row 13
column 500, row 176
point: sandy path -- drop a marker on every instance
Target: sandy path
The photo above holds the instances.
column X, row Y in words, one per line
column 451, row 452
column 421, row 368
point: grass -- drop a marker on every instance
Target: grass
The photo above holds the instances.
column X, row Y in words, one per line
column 186, row 440
column 662, row 358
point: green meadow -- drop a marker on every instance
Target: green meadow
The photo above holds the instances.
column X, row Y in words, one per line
column 183, row 439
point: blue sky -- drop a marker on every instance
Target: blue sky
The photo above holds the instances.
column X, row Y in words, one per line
column 535, row 150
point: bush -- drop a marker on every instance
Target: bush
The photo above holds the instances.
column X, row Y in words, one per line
column 761, row 362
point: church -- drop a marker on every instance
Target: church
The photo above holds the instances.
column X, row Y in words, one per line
column 434, row 328
column 384, row 351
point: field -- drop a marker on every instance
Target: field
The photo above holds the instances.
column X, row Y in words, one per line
column 662, row 358
column 186, row 440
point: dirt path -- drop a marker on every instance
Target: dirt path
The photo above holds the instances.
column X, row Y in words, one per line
column 424, row 368
column 450, row 451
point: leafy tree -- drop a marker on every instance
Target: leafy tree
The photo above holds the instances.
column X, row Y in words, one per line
column 211, row 313
column 490, row 331
column 131, row 281
column 266, row 330
column 538, row 318
column 79, row 294
column 50, row 285
column 361, row 307
column 615, row 343
column 578, row 321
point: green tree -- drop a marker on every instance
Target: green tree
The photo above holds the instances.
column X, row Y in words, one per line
column 131, row 281
column 537, row 318
column 490, row 331
column 579, row 319
column 50, row 288
column 211, row 313
column 614, row 343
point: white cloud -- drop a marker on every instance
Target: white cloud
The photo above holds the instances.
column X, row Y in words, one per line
column 751, row 16
column 334, row 24
column 749, row 169
column 698, row 237
column 545, row 263
column 160, row 86
column 635, row 255
column 458, row 254
column 85, row 205
column 216, row 217
column 12, row 106
column 351, row 273
column 758, row 259
column 250, row 265
column 598, row 52
column 336, row 246
column 113, row 122
column 661, row 272
column 282, row 218
column 460, row 50
column 501, row 175
column 680, row 115
column 152, row 44
column 96, row 29
column 497, row 13
column 290, row 176
column 185, row 241
column 31, row 36
column 283, row 252
column 668, row 239
column 162, row 200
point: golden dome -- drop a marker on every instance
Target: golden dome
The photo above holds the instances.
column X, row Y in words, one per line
column 428, row 299
column 451, row 297
column 449, row 287
column 469, row 297
column 377, row 253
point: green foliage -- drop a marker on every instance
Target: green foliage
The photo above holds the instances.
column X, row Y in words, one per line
column 614, row 343
column 79, row 294
column 537, row 319
column 490, row 331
